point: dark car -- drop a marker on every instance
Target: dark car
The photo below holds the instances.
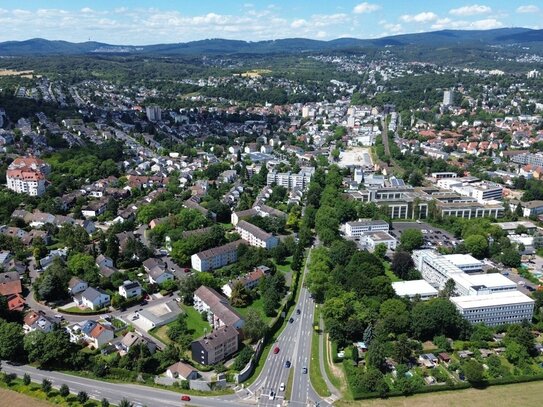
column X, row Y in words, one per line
column 287, row 364
column 298, row 311
column 144, row 302
column 291, row 320
column 304, row 370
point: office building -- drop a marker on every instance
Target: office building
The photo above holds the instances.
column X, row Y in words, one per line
column 358, row 228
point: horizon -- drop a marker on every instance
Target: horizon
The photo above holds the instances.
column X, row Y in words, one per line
column 133, row 23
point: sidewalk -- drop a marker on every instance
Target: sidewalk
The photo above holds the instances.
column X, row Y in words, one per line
column 336, row 394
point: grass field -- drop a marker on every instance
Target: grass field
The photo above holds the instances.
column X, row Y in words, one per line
column 14, row 399
column 258, row 306
column 522, row 394
column 195, row 322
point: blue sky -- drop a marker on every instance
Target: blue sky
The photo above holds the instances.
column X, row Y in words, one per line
column 161, row 21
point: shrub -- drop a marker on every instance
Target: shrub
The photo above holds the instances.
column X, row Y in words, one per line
column 64, row 390
column 46, row 385
column 82, row 397
column 26, row 379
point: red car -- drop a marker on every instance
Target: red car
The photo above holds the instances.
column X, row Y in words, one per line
column 276, row 350
column 184, row 397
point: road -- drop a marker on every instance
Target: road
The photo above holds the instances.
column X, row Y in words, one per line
column 294, row 345
column 115, row 392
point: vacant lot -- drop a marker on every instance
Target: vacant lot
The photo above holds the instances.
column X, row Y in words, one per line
column 523, row 394
column 14, row 399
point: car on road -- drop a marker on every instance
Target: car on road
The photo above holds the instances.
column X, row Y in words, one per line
column 291, row 320
column 276, row 350
column 135, row 317
column 304, row 370
column 505, row 273
column 287, row 364
column 298, row 311
column 282, row 387
column 144, row 302
column 185, row 397
column 530, row 288
column 271, row 396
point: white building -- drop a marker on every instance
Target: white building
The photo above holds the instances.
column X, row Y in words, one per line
column 26, row 175
column 511, row 307
column 290, row 180
column 256, row 236
column 372, row 239
column 154, row 114
column 219, row 312
column 414, row 288
column 448, row 97
column 353, row 229
column 216, row 257
column 130, row 289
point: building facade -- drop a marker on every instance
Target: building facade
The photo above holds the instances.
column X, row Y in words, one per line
column 26, row 175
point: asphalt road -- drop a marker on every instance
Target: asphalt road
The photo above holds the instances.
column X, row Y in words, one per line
column 294, row 345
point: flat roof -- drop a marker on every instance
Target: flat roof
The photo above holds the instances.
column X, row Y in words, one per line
column 380, row 236
column 463, row 260
column 513, row 225
column 491, row 280
column 413, row 287
column 492, row 300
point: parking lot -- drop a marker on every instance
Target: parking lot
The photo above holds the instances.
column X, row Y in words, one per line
column 433, row 237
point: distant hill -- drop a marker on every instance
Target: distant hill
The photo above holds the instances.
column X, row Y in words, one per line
column 39, row 46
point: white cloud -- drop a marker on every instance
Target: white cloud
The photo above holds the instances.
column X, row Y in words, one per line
column 528, row 9
column 485, row 24
column 365, row 7
column 87, row 10
column 470, row 10
column 299, row 23
column 390, row 27
column 424, row 17
column 321, row 34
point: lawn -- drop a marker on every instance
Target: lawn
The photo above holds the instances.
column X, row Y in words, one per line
column 315, row 374
column 522, row 394
column 390, row 274
column 258, row 306
column 195, row 322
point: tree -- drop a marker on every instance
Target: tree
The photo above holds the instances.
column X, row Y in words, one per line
column 82, row 397
column 402, row 349
column 380, row 250
column 11, row 341
column 516, row 353
column 411, row 239
column 49, row 349
column 438, row 316
column 50, row 287
column 402, row 263
column 26, row 379
column 394, row 316
column 125, row 403
column 254, row 328
column 112, row 248
column 243, row 358
column 46, row 385
column 375, row 356
column 448, row 289
column 64, row 390
column 240, row 296
column 104, row 403
column 477, row 245
column 474, row 371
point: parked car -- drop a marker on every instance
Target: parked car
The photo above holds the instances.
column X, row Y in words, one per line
column 185, row 397
column 276, row 350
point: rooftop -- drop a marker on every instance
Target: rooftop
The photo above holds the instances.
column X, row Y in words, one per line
column 413, row 287
column 492, row 300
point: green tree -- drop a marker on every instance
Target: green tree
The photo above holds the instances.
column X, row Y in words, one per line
column 243, row 358
column 375, row 356
column 104, row 403
column 394, row 316
column 49, row 349
column 474, row 371
column 449, row 289
column 516, row 353
column 125, row 403
column 11, row 341
column 380, row 250
column 240, row 296
column 26, row 379
column 402, row 349
column 411, row 239
column 477, row 245
column 254, row 327
column 82, row 397
column 46, row 386
column 64, row 390
column 402, row 264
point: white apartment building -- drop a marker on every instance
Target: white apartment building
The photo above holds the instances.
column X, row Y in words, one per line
column 510, row 307
column 290, row 180
column 216, row 257
column 26, row 175
column 256, row 236
column 358, row 228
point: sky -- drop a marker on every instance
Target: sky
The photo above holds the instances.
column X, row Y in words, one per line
column 138, row 22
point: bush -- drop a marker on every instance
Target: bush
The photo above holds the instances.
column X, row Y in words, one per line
column 64, row 390
column 82, row 397
column 26, row 379
column 9, row 377
column 104, row 403
column 46, row 385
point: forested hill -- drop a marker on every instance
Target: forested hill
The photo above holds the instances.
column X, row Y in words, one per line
column 503, row 36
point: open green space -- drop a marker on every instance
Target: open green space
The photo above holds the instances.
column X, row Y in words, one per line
column 258, row 306
column 314, row 367
column 195, row 322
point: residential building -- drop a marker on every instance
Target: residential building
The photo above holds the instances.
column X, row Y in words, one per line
column 219, row 311
column 34, row 321
column 93, row 298
column 216, row 346
column 27, row 175
column 182, row 371
column 130, row 289
column 216, row 257
column 256, row 236
column 290, row 180
column 448, row 97
column 154, row 113
column 362, row 226
column 76, row 286
column 93, row 333
column 132, row 339
column 249, row 280
column 157, row 270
